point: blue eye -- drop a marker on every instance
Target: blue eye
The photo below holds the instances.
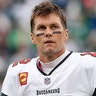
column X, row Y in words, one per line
column 54, row 26
column 41, row 28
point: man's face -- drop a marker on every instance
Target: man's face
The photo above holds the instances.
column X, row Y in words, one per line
column 49, row 35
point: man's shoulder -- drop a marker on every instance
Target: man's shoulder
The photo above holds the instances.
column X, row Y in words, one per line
column 21, row 62
column 21, row 65
column 86, row 55
column 24, row 62
column 92, row 54
column 86, row 59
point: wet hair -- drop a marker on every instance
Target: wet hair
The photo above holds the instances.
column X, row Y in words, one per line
column 44, row 9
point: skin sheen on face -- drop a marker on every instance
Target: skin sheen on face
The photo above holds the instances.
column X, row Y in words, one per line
column 49, row 35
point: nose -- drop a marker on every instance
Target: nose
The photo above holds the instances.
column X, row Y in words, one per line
column 48, row 33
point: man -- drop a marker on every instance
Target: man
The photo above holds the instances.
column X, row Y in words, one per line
column 56, row 71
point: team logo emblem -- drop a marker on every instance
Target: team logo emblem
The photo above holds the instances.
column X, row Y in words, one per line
column 23, row 78
column 47, row 81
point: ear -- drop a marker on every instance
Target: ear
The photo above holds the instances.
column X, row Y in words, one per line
column 33, row 38
column 66, row 35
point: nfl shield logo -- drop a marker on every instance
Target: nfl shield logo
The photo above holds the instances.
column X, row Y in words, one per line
column 47, row 81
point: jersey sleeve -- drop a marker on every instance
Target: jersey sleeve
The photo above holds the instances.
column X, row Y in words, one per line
column 91, row 73
column 89, row 64
column 9, row 85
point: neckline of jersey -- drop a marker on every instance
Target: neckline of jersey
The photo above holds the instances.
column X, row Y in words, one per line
column 40, row 68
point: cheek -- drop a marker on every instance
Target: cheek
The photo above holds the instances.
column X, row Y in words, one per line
column 60, row 38
column 39, row 42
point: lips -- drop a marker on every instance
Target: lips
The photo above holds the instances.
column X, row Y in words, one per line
column 48, row 41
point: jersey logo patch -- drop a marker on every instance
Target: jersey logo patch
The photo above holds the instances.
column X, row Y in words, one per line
column 23, row 78
column 47, row 81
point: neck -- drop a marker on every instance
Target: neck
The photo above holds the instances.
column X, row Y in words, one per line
column 48, row 58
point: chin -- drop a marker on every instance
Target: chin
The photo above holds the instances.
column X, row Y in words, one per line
column 50, row 51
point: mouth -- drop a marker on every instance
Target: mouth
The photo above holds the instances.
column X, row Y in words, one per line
column 48, row 42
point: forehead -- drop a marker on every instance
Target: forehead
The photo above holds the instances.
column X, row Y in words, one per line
column 47, row 19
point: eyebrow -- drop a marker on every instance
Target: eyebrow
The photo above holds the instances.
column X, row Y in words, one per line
column 39, row 25
column 45, row 25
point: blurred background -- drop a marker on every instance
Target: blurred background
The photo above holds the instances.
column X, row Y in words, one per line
column 15, row 41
